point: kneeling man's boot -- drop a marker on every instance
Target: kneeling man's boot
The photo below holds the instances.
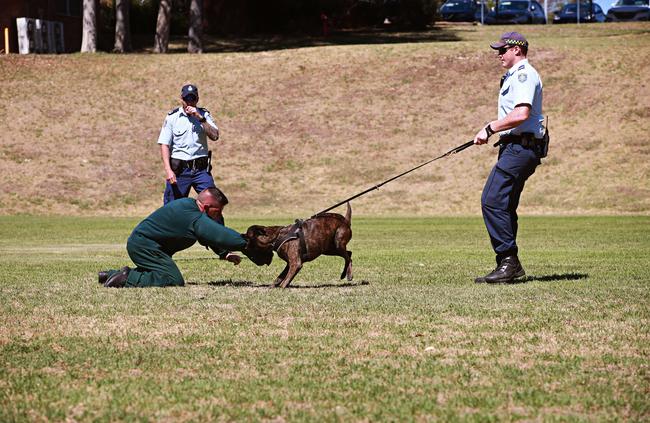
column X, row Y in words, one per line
column 118, row 280
column 103, row 275
column 509, row 269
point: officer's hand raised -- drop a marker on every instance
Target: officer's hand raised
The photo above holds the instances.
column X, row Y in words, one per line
column 191, row 111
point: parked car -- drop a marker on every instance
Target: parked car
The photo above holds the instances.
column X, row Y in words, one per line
column 517, row 12
column 486, row 12
column 629, row 10
column 569, row 13
column 459, row 10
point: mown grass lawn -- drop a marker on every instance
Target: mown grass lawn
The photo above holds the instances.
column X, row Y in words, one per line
column 411, row 338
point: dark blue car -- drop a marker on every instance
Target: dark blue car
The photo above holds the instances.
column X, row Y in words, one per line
column 569, row 14
column 517, row 12
column 459, row 10
column 629, row 10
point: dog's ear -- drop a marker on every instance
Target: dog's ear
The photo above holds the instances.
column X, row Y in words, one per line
column 251, row 232
column 259, row 230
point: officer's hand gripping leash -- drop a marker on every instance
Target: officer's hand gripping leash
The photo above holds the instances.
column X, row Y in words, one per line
column 448, row 153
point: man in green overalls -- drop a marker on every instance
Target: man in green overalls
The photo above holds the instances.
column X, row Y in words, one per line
column 174, row 227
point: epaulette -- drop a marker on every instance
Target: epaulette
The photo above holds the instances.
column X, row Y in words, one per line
column 521, row 67
column 204, row 110
column 173, row 111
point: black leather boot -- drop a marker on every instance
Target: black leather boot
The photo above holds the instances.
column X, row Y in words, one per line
column 118, row 280
column 103, row 275
column 509, row 269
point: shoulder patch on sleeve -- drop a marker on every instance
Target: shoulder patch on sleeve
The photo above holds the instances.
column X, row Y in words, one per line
column 173, row 111
column 522, row 77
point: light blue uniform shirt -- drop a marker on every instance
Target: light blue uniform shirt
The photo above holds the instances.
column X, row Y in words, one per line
column 185, row 135
column 522, row 86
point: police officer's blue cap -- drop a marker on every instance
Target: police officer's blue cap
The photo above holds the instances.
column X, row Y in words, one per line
column 189, row 89
column 510, row 39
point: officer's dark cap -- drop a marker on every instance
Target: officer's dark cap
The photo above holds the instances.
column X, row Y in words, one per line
column 510, row 39
column 188, row 90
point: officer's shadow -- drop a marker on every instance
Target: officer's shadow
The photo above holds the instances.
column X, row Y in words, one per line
column 242, row 283
column 552, row 278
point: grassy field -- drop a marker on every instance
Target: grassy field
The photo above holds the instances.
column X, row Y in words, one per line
column 305, row 123
column 412, row 338
column 305, row 127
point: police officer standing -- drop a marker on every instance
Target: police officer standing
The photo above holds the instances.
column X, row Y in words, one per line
column 184, row 146
column 523, row 141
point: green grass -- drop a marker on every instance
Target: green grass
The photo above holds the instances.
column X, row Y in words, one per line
column 411, row 338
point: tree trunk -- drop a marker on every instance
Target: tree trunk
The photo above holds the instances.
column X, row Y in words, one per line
column 163, row 25
column 122, row 26
column 89, row 29
column 195, row 44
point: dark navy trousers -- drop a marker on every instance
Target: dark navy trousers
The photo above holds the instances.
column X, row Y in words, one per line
column 501, row 197
column 186, row 180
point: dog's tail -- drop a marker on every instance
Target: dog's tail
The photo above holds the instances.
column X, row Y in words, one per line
column 348, row 214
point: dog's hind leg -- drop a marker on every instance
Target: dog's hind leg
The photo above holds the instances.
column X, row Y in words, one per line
column 349, row 271
column 347, row 267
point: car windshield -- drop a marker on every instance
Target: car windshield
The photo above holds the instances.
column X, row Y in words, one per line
column 632, row 3
column 514, row 5
column 457, row 5
column 572, row 8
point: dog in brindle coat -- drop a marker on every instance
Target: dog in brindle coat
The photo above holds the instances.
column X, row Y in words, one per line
column 327, row 233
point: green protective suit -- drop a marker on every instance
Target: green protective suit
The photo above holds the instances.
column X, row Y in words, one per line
column 174, row 227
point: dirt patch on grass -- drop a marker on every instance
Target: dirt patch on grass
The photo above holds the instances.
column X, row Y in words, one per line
column 303, row 128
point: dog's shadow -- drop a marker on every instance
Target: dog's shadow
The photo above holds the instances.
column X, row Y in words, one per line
column 249, row 284
column 552, row 278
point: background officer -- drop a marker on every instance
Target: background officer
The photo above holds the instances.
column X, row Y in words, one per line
column 174, row 227
column 184, row 146
column 523, row 141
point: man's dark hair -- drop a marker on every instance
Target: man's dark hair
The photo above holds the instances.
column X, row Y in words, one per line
column 217, row 195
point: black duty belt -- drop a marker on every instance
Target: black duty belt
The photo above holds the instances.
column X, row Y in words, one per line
column 199, row 163
column 527, row 139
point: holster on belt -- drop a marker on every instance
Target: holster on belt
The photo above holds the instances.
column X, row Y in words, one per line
column 201, row 163
column 527, row 140
column 176, row 165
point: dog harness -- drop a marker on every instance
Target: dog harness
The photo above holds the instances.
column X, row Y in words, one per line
column 295, row 232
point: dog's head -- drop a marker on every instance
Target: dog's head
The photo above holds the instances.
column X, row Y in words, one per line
column 259, row 246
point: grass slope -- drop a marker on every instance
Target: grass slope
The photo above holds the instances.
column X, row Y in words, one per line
column 306, row 127
column 411, row 338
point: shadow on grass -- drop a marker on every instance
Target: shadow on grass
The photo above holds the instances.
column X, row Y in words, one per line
column 281, row 42
column 230, row 282
column 553, row 278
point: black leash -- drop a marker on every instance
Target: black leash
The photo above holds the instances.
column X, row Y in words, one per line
column 450, row 152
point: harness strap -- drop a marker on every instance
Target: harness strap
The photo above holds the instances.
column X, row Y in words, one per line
column 295, row 232
column 288, row 237
column 301, row 237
